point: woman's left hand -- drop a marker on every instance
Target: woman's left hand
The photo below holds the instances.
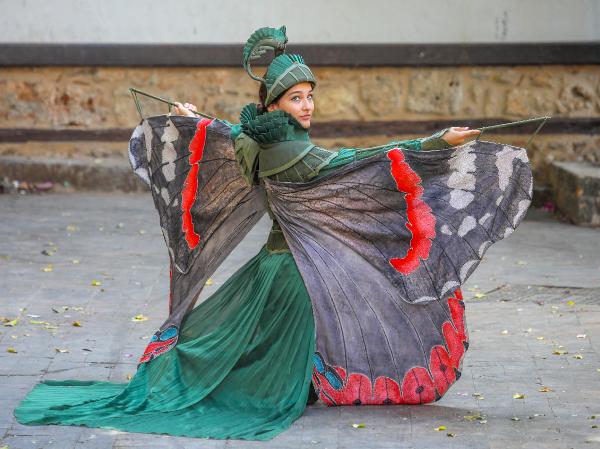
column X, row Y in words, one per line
column 457, row 134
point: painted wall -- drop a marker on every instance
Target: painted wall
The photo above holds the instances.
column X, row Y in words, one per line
column 309, row 21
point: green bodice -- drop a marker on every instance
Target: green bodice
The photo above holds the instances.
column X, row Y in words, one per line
column 276, row 146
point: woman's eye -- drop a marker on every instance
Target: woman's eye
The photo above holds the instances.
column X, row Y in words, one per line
column 295, row 98
column 310, row 97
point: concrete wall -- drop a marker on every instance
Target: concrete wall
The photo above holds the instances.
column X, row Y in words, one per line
column 309, row 21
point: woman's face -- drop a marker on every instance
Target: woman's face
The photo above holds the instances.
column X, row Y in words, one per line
column 298, row 102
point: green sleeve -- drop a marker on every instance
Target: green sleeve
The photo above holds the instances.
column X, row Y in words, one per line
column 348, row 155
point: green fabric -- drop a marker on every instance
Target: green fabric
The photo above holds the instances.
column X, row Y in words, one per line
column 307, row 167
column 246, row 153
column 242, row 368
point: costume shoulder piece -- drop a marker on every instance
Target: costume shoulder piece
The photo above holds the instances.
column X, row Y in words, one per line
column 205, row 207
column 273, row 142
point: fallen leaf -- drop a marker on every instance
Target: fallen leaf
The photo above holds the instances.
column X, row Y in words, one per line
column 129, row 377
column 478, row 417
column 75, row 261
column 358, row 426
column 440, row 428
column 61, row 351
column 578, row 356
column 48, row 268
column 11, row 350
column 521, row 262
column 72, row 228
column 142, row 231
column 545, row 390
column 571, row 303
column 540, row 337
column 96, row 283
column 559, row 352
column 518, row 396
column 209, row 281
column 11, row 323
column 581, row 335
column 479, row 295
column 76, row 324
column 478, row 396
column 450, row 435
column 504, row 332
column 139, row 318
column 47, row 252
column 515, row 418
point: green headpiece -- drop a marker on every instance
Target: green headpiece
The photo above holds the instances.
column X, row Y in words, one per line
column 284, row 71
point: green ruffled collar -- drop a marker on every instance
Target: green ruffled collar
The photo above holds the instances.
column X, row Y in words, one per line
column 271, row 127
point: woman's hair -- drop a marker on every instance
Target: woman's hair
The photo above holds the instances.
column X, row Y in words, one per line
column 262, row 96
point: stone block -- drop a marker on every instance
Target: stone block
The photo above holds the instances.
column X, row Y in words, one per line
column 576, row 188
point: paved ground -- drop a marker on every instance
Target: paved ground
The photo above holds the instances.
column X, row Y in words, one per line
column 533, row 310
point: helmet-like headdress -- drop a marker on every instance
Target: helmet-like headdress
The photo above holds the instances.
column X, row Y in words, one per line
column 284, row 71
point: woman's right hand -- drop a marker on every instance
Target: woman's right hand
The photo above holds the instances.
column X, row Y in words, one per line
column 186, row 109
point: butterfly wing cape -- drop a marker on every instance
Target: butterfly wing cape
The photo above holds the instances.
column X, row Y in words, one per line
column 382, row 246
column 204, row 205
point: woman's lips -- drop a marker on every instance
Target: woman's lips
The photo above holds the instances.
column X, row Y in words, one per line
column 305, row 117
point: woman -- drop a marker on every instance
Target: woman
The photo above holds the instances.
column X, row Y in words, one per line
column 240, row 364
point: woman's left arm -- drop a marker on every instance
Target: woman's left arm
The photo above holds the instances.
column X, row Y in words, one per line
column 445, row 138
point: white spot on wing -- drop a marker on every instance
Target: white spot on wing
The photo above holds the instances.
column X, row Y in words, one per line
column 445, row 230
column 483, row 219
column 466, row 225
column 485, row 245
column 459, row 199
column 466, row 268
column 504, row 164
column 521, row 209
column 450, row 285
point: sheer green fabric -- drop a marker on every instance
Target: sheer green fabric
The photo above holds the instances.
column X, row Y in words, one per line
column 242, row 367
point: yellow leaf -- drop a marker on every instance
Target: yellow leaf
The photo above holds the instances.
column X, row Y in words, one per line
column 11, row 323
column 504, row 332
column 96, row 283
column 76, row 324
column 450, row 435
column 358, row 426
column 581, row 335
column 515, row 418
column 559, row 352
column 61, row 351
column 478, row 396
column 571, row 303
column 518, row 396
column 479, row 295
column 11, row 350
column 578, row 356
column 142, row 231
column 440, row 428
column 75, row 261
column 545, row 390
column 72, row 228
column 540, row 338
column 521, row 262
column 209, row 281
column 129, row 377
column 48, row 268
column 477, row 417
column 139, row 318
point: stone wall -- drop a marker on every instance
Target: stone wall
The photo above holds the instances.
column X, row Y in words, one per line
column 97, row 98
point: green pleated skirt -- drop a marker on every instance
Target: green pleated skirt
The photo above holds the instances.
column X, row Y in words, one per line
column 241, row 369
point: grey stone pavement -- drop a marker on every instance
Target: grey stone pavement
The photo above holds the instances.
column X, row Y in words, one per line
column 533, row 310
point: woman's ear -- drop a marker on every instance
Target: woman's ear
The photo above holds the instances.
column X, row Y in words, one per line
column 272, row 107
